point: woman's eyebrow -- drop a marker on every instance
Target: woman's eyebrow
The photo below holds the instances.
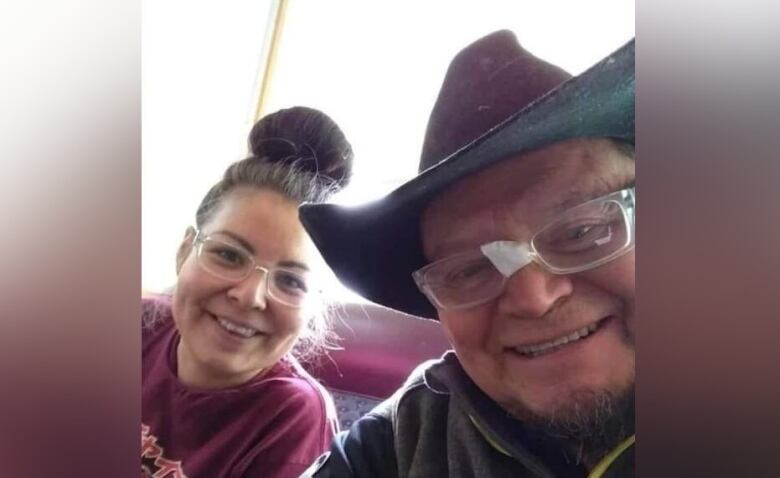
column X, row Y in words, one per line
column 243, row 243
column 240, row 240
column 294, row 264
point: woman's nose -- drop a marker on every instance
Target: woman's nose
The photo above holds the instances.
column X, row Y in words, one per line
column 251, row 292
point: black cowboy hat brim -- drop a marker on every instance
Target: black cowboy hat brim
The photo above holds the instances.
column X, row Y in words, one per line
column 374, row 248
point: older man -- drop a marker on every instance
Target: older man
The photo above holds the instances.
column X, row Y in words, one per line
column 518, row 236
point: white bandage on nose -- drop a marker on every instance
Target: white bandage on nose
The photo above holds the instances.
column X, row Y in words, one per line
column 507, row 256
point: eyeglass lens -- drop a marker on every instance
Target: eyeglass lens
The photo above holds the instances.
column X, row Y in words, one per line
column 582, row 237
column 232, row 263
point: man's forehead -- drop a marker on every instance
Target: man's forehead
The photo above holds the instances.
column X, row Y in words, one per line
column 540, row 182
column 556, row 169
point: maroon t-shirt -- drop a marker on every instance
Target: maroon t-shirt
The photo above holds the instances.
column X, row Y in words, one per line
column 273, row 426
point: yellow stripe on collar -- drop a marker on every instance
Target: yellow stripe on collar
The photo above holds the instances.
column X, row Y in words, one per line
column 605, row 462
column 597, row 472
column 488, row 437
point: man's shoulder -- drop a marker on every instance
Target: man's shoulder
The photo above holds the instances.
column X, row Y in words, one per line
column 369, row 447
column 432, row 377
column 403, row 433
column 421, row 395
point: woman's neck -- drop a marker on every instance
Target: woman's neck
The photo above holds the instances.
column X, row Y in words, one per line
column 195, row 375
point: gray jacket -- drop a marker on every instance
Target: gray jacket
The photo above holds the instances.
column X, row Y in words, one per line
column 440, row 424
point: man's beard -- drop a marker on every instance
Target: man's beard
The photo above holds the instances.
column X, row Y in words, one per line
column 590, row 425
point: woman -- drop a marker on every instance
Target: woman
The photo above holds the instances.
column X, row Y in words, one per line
column 222, row 394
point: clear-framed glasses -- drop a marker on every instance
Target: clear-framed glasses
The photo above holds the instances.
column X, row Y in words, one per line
column 581, row 238
column 231, row 262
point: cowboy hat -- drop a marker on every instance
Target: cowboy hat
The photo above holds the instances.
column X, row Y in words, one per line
column 497, row 101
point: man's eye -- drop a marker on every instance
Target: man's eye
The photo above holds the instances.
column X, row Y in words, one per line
column 580, row 232
column 467, row 273
column 579, row 237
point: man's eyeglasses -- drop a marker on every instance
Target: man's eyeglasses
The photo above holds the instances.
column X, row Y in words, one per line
column 233, row 263
column 581, row 238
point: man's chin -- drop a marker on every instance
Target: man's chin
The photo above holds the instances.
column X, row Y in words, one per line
column 594, row 419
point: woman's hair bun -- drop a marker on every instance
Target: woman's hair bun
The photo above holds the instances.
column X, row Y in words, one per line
column 307, row 139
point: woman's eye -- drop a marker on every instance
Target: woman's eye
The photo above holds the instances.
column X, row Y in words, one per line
column 230, row 256
column 227, row 256
column 290, row 282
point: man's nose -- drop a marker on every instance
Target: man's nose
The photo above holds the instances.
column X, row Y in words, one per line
column 251, row 291
column 533, row 291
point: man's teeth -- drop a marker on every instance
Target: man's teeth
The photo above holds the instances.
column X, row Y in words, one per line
column 534, row 350
column 235, row 328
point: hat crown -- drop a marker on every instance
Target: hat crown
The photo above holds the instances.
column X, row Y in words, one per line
column 375, row 248
column 487, row 82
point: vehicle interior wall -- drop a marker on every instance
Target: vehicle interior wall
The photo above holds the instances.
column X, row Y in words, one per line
column 379, row 348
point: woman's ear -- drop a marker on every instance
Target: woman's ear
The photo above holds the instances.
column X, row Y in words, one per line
column 185, row 248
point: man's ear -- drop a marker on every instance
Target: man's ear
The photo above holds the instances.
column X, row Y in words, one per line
column 184, row 248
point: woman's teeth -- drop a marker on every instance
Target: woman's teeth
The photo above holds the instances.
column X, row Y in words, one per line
column 538, row 349
column 235, row 328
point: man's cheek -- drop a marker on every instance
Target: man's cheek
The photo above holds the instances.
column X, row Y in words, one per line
column 461, row 331
column 631, row 327
column 619, row 276
column 626, row 273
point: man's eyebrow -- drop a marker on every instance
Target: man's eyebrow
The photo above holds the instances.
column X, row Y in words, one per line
column 576, row 197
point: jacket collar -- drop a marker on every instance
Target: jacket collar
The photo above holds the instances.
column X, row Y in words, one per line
column 504, row 433
column 539, row 453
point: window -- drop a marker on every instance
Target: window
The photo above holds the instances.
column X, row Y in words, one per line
column 374, row 66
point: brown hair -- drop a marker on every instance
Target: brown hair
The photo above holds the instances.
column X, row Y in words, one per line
column 298, row 152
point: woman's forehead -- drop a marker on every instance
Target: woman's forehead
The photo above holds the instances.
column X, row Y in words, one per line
column 262, row 221
column 244, row 206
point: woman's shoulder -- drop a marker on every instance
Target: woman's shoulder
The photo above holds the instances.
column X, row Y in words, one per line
column 155, row 308
column 156, row 315
column 288, row 375
column 297, row 388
